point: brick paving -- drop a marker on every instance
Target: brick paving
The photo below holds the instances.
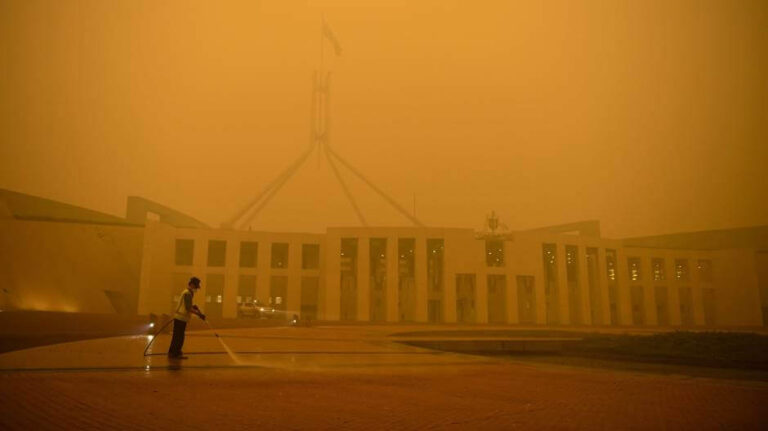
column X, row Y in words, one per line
column 444, row 391
column 480, row 396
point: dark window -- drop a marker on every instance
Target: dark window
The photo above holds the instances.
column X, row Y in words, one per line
column 348, row 281
column 246, row 289
column 217, row 253
column 634, row 268
column 494, row 252
column 681, row 270
column 610, row 264
column 279, row 255
column 310, row 256
column 249, row 253
column 185, row 251
column 551, row 298
column 435, row 249
column 658, row 269
column 705, row 270
column 572, row 278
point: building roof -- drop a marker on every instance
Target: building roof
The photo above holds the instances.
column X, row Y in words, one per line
column 755, row 237
column 22, row 206
column 28, row 207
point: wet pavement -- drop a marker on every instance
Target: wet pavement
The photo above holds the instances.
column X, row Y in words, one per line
column 278, row 347
column 345, row 377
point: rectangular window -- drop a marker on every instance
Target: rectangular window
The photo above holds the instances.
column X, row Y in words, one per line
column 465, row 298
column 214, row 295
column 310, row 256
column 279, row 255
column 378, row 279
column 249, row 253
column 435, row 311
column 610, row 264
column 572, row 277
column 681, row 270
column 497, row 298
column 348, row 304
column 593, row 279
column 435, row 250
column 613, row 295
column 246, row 290
column 278, row 291
column 217, row 253
column 685, row 296
column 662, row 307
column 704, row 267
column 494, row 252
column 310, row 290
column 708, row 297
column 551, row 297
column 526, row 304
column 406, row 281
column 658, row 269
column 638, row 305
column 185, row 251
column 634, row 268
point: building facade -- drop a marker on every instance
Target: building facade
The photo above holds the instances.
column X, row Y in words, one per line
column 452, row 276
column 60, row 257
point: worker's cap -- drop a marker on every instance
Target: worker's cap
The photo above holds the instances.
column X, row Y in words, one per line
column 194, row 281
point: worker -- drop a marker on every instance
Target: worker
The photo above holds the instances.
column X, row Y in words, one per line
column 184, row 310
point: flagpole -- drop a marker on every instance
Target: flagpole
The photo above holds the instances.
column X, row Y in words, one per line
column 322, row 35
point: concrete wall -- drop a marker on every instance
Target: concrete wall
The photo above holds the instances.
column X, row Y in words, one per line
column 737, row 296
column 68, row 266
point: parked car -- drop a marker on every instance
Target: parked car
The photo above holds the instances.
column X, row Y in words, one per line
column 269, row 312
column 248, row 309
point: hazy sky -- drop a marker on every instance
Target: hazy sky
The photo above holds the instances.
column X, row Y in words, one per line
column 651, row 116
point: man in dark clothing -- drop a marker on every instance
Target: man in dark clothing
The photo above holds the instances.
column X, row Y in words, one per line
column 184, row 310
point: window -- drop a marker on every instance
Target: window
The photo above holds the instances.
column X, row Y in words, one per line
column 249, row 253
column 310, row 256
column 610, row 264
column 494, row 252
column 551, row 294
column 572, row 279
column 658, row 269
column 279, row 255
column 378, row 279
column 406, row 282
column 217, row 252
column 185, row 251
column 348, row 280
column 246, row 289
column 435, row 248
column 681, row 270
column 634, row 268
column 705, row 270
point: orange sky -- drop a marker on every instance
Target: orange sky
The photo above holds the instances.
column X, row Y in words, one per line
column 648, row 115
